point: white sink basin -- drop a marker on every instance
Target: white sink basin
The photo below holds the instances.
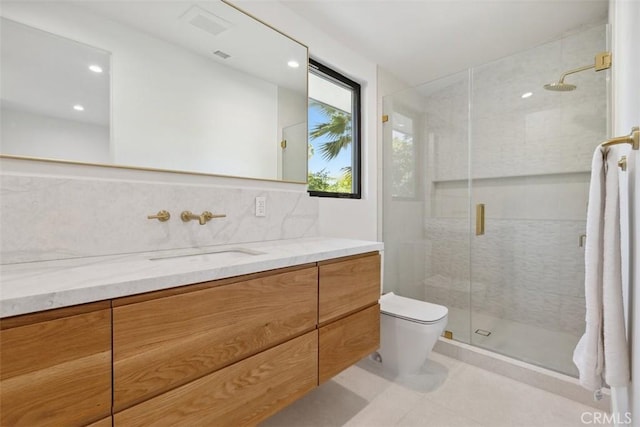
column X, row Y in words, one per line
column 211, row 255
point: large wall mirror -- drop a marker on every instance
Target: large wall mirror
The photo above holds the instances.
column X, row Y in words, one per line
column 184, row 86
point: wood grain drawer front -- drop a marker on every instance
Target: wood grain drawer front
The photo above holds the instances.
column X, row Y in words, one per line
column 345, row 341
column 348, row 286
column 166, row 342
column 105, row 422
column 56, row 372
column 242, row 394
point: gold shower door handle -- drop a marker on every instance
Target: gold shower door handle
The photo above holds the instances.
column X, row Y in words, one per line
column 479, row 219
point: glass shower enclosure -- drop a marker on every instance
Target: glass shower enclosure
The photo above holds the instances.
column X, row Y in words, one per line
column 486, row 179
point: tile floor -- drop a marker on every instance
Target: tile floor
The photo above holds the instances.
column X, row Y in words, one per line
column 449, row 393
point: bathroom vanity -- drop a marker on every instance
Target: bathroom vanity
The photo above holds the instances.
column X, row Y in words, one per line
column 263, row 331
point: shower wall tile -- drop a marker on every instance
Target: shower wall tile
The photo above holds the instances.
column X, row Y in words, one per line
column 447, row 291
column 44, row 218
column 547, row 133
column 529, row 271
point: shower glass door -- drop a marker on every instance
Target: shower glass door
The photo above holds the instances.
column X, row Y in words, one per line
column 531, row 155
column 493, row 136
column 426, row 197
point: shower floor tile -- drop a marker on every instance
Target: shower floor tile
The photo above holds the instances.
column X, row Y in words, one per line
column 529, row 343
column 449, row 393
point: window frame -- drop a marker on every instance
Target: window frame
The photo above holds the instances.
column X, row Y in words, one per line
column 330, row 74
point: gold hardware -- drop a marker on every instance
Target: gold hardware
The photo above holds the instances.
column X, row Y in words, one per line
column 603, row 61
column 283, row 144
column 633, row 138
column 202, row 219
column 209, row 216
column 138, row 168
column 385, row 118
column 161, row 216
column 581, row 240
column 448, row 335
column 479, row 219
column 622, row 163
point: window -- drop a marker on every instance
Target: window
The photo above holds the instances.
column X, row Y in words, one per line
column 334, row 133
column 403, row 157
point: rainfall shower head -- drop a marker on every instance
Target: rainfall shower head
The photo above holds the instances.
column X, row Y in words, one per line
column 560, row 87
column 602, row 62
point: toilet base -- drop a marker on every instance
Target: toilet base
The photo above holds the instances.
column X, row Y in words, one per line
column 404, row 345
column 429, row 377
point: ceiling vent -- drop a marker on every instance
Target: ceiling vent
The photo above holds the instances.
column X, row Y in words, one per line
column 206, row 21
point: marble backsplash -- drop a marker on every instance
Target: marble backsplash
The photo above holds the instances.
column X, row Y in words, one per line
column 46, row 218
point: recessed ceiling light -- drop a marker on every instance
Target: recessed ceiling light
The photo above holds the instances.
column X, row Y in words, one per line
column 293, row 64
column 526, row 95
column 95, row 68
column 78, row 107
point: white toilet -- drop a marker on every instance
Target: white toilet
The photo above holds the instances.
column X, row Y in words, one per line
column 408, row 331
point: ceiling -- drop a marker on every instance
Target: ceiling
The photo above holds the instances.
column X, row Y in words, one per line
column 421, row 40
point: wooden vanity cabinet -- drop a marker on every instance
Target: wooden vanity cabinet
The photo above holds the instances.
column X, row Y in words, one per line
column 242, row 394
column 105, row 422
column 227, row 352
column 347, row 285
column 55, row 367
column 167, row 339
column 349, row 314
column 344, row 342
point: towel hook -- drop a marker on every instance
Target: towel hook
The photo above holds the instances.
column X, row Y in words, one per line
column 622, row 163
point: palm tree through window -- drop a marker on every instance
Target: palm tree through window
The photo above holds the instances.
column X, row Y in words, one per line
column 334, row 137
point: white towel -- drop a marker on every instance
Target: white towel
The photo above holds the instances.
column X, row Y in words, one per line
column 602, row 353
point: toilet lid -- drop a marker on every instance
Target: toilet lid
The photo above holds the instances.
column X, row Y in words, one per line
column 411, row 309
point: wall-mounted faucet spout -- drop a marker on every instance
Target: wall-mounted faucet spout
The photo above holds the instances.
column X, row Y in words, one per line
column 202, row 219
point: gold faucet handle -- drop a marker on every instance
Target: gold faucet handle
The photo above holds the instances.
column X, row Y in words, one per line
column 209, row 216
column 161, row 216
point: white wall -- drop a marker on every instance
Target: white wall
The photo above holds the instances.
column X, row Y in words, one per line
column 166, row 99
column 624, row 17
column 338, row 217
column 26, row 134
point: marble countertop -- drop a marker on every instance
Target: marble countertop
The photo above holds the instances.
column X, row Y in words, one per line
column 37, row 286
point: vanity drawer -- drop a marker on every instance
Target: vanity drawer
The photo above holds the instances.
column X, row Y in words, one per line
column 105, row 422
column 166, row 342
column 346, row 341
column 56, row 367
column 348, row 285
column 244, row 393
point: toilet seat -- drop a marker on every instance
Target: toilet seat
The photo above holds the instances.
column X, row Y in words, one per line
column 412, row 310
